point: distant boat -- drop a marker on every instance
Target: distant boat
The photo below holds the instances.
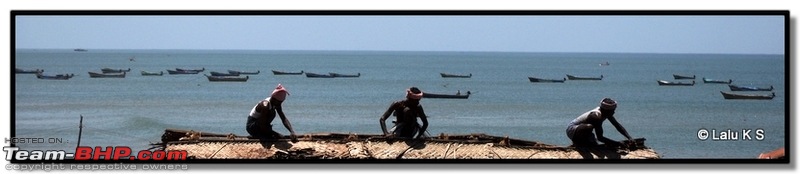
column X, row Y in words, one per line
column 705, row 80
column 605, row 64
column 109, row 70
column 55, row 77
column 145, row 73
column 682, row 77
column 227, row 78
column 445, row 75
column 668, row 83
column 345, row 75
column 446, row 96
column 106, row 75
column 214, row 73
column 286, row 73
column 747, row 96
column 315, row 75
column 534, row 79
column 244, row 72
column 80, row 50
column 198, row 70
column 22, row 71
column 571, row 77
column 749, row 88
column 182, row 71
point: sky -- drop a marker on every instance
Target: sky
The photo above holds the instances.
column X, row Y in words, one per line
column 580, row 33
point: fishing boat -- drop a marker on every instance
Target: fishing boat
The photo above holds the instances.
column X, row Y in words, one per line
column 80, row 50
column 54, row 77
column 182, row 71
column 668, row 83
column 534, row 79
column 571, row 77
column 198, row 70
column 315, row 75
column 227, row 78
column 197, row 146
column 445, row 75
column 749, row 88
column 705, row 80
column 446, row 96
column 145, row 73
column 682, row 77
column 727, row 95
column 214, row 73
column 107, row 75
column 286, row 73
column 109, row 70
column 22, row 71
column 605, row 64
column 244, row 72
column 345, row 75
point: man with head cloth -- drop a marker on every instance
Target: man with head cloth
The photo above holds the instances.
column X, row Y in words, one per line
column 259, row 122
column 580, row 129
column 406, row 112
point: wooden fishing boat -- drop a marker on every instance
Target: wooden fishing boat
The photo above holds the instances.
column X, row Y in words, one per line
column 749, row 88
column 182, row 71
column 668, row 83
column 80, row 50
column 345, row 75
column 747, row 96
column 198, row 70
column 446, row 75
column 244, row 72
column 214, row 73
column 22, row 71
column 446, row 96
column 109, row 70
column 145, row 73
column 286, row 73
column 107, row 75
column 534, row 79
column 54, row 77
column 705, row 80
column 227, row 78
column 682, row 77
column 571, row 77
column 315, row 75
column 353, row 147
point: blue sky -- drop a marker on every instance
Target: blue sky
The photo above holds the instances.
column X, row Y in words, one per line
column 619, row 34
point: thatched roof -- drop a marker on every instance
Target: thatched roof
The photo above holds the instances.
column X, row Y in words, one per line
column 352, row 146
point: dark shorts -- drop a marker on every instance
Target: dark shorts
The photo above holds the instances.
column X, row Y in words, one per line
column 405, row 130
column 260, row 131
column 581, row 136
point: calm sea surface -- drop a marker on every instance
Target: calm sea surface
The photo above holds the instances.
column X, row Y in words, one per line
column 135, row 110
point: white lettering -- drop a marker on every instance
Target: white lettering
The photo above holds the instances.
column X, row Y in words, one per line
column 10, row 152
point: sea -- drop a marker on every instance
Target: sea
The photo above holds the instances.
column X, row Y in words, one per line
column 134, row 111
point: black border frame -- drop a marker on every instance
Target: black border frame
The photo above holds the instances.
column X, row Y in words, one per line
column 787, row 58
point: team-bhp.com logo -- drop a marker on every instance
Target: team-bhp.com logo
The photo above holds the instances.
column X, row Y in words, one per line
column 94, row 153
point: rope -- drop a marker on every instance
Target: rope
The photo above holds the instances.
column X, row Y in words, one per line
column 220, row 149
column 445, row 150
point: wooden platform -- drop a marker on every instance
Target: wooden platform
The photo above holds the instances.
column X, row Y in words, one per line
column 355, row 146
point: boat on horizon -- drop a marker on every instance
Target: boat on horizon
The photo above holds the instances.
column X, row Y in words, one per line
column 33, row 71
column 55, row 77
column 677, row 77
column 227, row 78
column 446, row 96
column 534, row 79
column 571, row 77
column 727, row 95
column 275, row 72
column 705, row 80
column 749, row 88
column 315, row 75
column 446, row 75
column 109, row 70
column 107, row 75
column 345, row 75
column 145, row 73
column 668, row 83
column 244, row 72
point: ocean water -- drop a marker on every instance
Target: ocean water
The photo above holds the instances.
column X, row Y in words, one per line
column 134, row 111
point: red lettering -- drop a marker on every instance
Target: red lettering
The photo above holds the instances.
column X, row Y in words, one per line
column 144, row 155
column 83, row 153
column 121, row 151
column 107, row 153
column 159, row 155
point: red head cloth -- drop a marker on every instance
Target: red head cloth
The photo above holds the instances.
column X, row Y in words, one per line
column 608, row 104
column 413, row 93
column 279, row 93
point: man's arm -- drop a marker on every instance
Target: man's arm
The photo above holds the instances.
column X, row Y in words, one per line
column 424, row 119
column 385, row 116
column 286, row 123
column 619, row 127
